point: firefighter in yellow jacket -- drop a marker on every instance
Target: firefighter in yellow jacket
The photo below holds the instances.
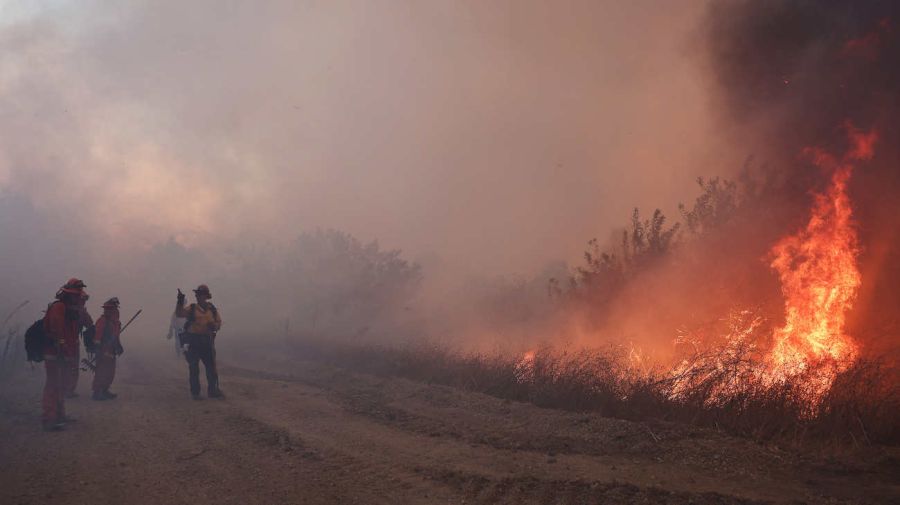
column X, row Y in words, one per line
column 203, row 322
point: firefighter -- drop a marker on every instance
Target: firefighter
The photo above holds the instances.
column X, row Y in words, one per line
column 61, row 327
column 86, row 331
column 107, row 347
column 200, row 328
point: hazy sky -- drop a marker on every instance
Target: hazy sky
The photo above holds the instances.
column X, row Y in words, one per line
column 497, row 135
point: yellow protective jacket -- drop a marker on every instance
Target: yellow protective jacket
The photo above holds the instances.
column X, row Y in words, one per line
column 200, row 321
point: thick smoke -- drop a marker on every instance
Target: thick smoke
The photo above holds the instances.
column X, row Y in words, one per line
column 797, row 74
column 481, row 138
column 799, row 70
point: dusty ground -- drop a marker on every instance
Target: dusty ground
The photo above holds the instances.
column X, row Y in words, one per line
column 302, row 432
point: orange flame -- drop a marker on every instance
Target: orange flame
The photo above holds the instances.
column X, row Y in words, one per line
column 820, row 281
column 819, row 274
column 524, row 368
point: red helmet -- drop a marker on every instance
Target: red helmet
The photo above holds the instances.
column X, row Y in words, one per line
column 73, row 286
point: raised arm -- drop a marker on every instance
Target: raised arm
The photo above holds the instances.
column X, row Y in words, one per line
column 180, row 310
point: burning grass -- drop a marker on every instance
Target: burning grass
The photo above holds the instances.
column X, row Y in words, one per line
column 859, row 408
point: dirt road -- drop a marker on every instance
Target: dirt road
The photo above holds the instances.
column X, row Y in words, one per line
column 308, row 433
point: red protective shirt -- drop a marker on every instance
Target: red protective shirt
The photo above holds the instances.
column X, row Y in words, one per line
column 106, row 344
column 62, row 331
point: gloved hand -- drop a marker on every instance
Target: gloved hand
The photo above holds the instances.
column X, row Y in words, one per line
column 180, row 296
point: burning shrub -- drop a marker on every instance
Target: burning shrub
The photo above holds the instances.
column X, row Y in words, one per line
column 723, row 389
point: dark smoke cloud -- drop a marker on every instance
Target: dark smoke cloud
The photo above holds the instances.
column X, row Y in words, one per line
column 804, row 68
column 800, row 73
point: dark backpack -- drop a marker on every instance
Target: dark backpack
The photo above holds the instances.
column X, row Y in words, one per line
column 35, row 340
column 88, row 336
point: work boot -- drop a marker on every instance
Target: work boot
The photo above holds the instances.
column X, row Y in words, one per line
column 216, row 394
column 71, row 395
column 67, row 420
column 52, row 426
column 196, row 396
column 110, row 395
column 98, row 396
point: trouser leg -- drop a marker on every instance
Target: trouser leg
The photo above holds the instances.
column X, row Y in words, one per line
column 193, row 369
column 112, row 373
column 98, row 374
column 212, row 375
column 104, row 374
column 73, row 374
column 99, row 370
column 52, row 401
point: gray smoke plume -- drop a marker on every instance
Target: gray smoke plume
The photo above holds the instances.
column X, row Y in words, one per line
column 485, row 137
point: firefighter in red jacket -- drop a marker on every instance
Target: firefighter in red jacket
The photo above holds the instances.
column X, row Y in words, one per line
column 203, row 321
column 106, row 347
column 61, row 326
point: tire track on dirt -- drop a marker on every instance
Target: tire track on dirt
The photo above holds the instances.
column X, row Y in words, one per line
column 435, row 430
column 357, row 421
column 323, row 435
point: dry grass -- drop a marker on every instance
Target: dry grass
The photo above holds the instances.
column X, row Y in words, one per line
column 10, row 352
column 860, row 408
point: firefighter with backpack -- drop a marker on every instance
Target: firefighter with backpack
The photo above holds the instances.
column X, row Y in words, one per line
column 106, row 347
column 202, row 324
column 60, row 328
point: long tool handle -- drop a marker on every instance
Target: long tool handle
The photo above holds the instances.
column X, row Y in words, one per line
column 89, row 365
column 11, row 314
column 132, row 319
